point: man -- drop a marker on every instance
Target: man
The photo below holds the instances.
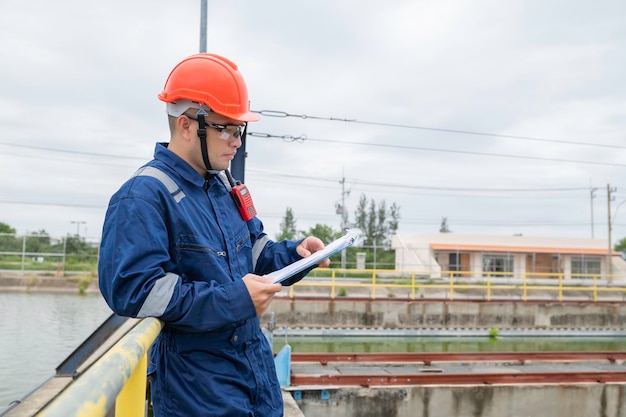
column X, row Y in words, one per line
column 175, row 246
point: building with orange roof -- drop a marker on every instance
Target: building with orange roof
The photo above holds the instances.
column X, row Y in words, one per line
column 467, row 255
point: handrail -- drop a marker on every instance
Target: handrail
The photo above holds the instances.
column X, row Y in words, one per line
column 117, row 379
column 453, row 281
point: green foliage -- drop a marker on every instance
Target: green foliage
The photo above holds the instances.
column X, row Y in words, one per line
column 385, row 258
column 38, row 242
column 83, row 283
column 342, row 292
column 377, row 222
column 493, row 333
column 79, row 255
column 77, row 246
column 621, row 246
column 287, row 226
column 5, row 228
column 10, row 244
column 324, row 232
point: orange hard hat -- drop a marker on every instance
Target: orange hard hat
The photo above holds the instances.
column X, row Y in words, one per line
column 210, row 80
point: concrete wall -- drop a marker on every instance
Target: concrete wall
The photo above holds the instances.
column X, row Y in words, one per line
column 550, row 400
column 420, row 314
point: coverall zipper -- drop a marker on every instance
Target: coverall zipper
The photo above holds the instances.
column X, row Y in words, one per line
column 203, row 248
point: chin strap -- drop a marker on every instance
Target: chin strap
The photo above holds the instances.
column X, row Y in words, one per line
column 203, row 142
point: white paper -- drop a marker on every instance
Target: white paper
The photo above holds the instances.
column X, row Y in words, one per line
column 329, row 250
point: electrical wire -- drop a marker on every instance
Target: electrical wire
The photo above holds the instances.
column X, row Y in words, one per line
column 278, row 113
column 421, row 148
column 283, row 178
column 47, row 149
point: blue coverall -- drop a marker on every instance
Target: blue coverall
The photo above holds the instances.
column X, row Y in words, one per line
column 175, row 247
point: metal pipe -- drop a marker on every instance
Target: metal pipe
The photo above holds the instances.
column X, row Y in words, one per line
column 94, row 392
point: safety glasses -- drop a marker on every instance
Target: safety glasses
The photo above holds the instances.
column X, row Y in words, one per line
column 227, row 131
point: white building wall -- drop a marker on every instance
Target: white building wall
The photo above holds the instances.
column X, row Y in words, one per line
column 413, row 251
column 415, row 258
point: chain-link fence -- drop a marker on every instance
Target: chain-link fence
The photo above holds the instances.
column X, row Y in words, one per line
column 44, row 254
column 36, row 253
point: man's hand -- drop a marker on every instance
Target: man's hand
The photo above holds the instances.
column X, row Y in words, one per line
column 310, row 245
column 261, row 291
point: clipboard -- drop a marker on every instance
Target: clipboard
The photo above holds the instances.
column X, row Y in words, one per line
column 329, row 250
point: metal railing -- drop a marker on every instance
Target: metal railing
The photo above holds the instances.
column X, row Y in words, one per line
column 36, row 253
column 115, row 385
column 115, row 381
column 455, row 283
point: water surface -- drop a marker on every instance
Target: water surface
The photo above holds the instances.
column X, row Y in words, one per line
column 39, row 330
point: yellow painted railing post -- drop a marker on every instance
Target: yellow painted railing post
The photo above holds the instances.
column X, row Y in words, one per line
column 560, row 287
column 332, row 284
column 595, row 288
column 131, row 401
column 524, row 287
column 96, row 392
column 373, row 284
column 451, row 278
column 488, row 287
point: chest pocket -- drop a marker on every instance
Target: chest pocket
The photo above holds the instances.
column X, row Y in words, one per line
column 204, row 257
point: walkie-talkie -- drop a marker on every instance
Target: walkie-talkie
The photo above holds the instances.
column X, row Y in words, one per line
column 242, row 198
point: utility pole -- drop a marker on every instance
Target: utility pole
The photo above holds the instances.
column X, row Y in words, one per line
column 610, row 197
column 341, row 210
column 238, row 164
column 77, row 223
column 592, row 193
column 203, row 17
column 344, row 215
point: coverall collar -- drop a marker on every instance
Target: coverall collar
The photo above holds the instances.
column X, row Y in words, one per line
column 176, row 163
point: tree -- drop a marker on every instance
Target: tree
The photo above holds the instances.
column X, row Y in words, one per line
column 8, row 242
column 5, row 228
column 287, row 226
column 444, row 226
column 621, row 246
column 324, row 232
column 376, row 221
column 38, row 241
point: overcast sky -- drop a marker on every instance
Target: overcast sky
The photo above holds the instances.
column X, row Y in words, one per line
column 501, row 116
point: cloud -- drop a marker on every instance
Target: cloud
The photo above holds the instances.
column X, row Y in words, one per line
column 78, row 107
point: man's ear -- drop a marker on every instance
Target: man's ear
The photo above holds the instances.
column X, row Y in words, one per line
column 185, row 128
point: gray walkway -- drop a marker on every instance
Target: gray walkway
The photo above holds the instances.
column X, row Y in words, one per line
column 291, row 408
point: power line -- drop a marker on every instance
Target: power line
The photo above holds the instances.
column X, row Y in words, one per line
column 355, row 182
column 283, row 176
column 278, row 113
column 334, row 180
column 70, row 151
column 44, row 203
column 302, row 138
column 47, row 158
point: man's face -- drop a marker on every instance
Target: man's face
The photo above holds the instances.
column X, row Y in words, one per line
column 223, row 141
column 222, row 145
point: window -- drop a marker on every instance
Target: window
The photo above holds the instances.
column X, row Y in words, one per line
column 586, row 266
column 498, row 265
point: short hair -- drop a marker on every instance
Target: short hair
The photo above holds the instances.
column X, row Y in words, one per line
column 171, row 120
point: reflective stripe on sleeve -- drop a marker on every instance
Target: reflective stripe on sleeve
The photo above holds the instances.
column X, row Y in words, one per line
column 169, row 183
column 258, row 247
column 156, row 302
